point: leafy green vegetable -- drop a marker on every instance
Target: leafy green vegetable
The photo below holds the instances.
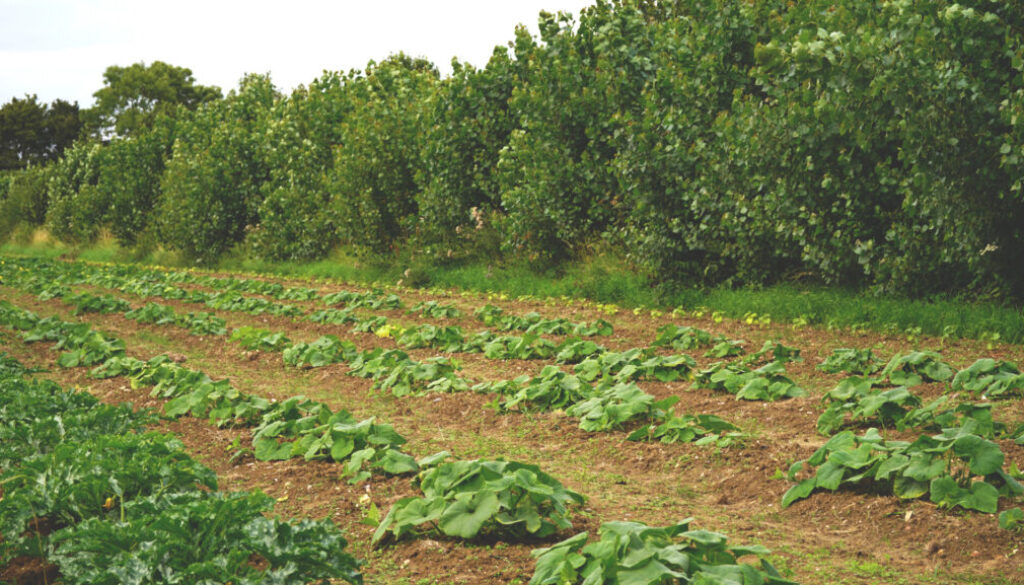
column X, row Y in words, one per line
column 202, row 537
column 436, row 310
column 78, row 480
column 324, row 351
column 90, row 303
column 765, row 383
column 852, row 361
column 682, row 337
column 631, row 553
column 465, row 499
column 990, row 378
column 945, row 466
column 255, row 338
column 915, row 368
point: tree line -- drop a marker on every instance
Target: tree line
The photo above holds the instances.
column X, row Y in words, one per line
column 866, row 144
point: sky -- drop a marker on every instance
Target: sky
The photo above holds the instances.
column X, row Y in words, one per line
column 60, row 48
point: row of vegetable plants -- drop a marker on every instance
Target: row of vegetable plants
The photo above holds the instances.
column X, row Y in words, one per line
column 86, row 489
column 612, row 404
column 461, row 498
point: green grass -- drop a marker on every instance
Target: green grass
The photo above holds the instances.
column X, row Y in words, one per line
column 604, row 279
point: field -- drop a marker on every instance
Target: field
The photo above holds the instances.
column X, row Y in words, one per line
column 709, row 419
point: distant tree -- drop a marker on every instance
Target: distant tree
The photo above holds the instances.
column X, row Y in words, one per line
column 132, row 96
column 34, row 133
column 63, row 126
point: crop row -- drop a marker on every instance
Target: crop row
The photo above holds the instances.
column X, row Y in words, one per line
column 459, row 498
column 51, row 279
column 613, row 402
column 87, row 490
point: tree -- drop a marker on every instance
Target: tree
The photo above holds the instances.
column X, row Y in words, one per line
column 132, row 96
column 34, row 133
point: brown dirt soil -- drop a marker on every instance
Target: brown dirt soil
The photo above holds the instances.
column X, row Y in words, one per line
column 847, row 536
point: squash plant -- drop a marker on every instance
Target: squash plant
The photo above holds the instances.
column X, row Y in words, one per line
column 466, row 499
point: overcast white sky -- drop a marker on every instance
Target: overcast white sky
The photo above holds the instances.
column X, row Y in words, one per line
column 60, row 48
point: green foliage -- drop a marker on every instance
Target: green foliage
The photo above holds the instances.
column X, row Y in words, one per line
column 534, row 323
column 436, row 310
column 295, row 218
column 448, row 339
column 682, row 337
column 720, row 141
column 613, row 406
column 466, row 499
column 575, row 350
column 333, row 316
column 551, row 389
column 513, row 347
column 580, row 81
column 154, row 313
column 725, row 348
column 916, row 368
column 85, row 346
column 236, row 301
column 211, row 185
column 298, row 294
column 324, row 351
column 469, row 123
column 38, row 415
column 956, row 468
column 202, row 537
column 34, row 134
column 129, row 179
column 701, row 429
column 436, row 374
column 76, row 208
column 990, row 378
column 372, row 183
column 1012, row 519
column 898, row 408
column 767, row 382
column 73, row 482
column 90, row 303
column 776, row 351
column 631, row 553
column 203, row 323
column 852, row 361
column 374, row 299
column 23, row 199
column 133, row 96
column 636, row 364
column 297, row 427
column 259, row 339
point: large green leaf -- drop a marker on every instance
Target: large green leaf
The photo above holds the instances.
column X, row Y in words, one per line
column 468, row 513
